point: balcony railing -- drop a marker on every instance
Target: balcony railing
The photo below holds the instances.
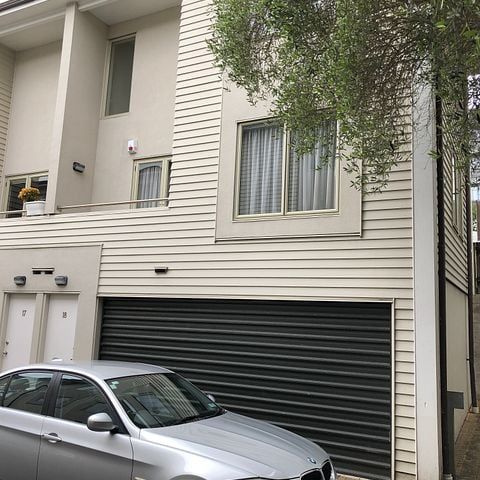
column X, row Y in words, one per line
column 160, row 202
column 163, row 200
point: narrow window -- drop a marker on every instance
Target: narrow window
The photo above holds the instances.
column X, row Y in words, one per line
column 261, row 169
column 311, row 177
column 41, row 183
column 151, row 182
column 120, row 76
column 13, row 202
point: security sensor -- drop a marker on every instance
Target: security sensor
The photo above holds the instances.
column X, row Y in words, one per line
column 132, row 146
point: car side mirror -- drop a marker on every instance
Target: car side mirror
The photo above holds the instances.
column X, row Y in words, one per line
column 211, row 397
column 101, row 422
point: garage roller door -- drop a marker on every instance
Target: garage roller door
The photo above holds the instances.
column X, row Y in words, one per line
column 320, row 369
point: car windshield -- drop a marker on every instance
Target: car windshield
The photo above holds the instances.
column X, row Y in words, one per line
column 162, row 399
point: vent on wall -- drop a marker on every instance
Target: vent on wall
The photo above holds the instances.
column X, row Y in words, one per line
column 45, row 271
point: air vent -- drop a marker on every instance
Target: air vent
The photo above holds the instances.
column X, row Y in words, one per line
column 44, row 270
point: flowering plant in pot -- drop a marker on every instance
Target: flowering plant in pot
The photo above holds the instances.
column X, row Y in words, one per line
column 30, row 196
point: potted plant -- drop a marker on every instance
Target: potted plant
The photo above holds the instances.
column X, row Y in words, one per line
column 30, row 196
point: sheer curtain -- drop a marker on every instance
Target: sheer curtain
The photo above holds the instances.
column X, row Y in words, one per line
column 149, row 183
column 261, row 170
column 312, row 183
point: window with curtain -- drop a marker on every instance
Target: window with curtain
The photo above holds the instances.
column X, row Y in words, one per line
column 274, row 179
column 151, row 182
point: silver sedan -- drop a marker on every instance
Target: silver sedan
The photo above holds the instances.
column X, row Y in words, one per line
column 127, row 421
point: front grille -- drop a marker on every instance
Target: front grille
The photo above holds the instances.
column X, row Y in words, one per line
column 324, row 474
column 313, row 475
column 327, row 470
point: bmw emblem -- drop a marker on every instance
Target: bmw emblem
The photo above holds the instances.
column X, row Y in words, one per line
column 312, row 460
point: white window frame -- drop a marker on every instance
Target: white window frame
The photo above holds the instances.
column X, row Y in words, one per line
column 284, row 212
column 28, row 182
column 164, row 179
column 106, row 84
column 345, row 220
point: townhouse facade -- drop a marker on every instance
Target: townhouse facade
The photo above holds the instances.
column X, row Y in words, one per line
column 180, row 229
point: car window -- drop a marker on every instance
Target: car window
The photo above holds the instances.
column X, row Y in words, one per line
column 78, row 399
column 161, row 400
column 3, row 387
column 27, row 391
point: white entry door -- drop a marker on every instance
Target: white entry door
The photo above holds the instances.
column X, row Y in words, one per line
column 61, row 324
column 19, row 335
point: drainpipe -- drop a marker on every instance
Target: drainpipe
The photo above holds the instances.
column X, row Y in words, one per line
column 471, row 342
column 448, row 455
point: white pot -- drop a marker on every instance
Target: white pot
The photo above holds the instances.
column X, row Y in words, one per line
column 35, row 208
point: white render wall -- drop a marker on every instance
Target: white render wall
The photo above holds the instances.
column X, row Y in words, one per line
column 33, row 109
column 150, row 119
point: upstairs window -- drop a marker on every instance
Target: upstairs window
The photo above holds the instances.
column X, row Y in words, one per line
column 274, row 180
column 15, row 184
column 120, row 70
column 151, row 181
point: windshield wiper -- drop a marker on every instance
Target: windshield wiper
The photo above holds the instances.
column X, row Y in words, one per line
column 193, row 418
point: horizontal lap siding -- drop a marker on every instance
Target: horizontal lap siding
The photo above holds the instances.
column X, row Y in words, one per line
column 455, row 234
column 7, row 59
column 376, row 266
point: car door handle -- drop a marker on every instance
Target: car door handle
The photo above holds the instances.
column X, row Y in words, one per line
column 51, row 437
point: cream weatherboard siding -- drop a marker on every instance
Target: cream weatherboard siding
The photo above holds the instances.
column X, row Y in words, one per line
column 7, row 60
column 375, row 266
column 455, row 235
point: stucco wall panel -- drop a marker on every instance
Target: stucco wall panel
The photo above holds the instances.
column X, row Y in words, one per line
column 33, row 109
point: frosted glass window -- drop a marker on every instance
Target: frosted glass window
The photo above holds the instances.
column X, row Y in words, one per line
column 120, row 76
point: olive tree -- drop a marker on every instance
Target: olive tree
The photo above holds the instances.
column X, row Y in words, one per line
column 358, row 60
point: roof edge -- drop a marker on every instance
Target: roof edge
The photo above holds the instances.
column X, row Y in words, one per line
column 9, row 4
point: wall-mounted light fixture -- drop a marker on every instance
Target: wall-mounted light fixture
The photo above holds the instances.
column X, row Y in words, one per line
column 61, row 280
column 161, row 269
column 78, row 167
column 20, row 280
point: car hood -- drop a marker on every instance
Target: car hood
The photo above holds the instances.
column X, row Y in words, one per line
column 255, row 447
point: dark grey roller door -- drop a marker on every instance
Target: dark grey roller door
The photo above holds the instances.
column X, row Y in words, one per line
column 320, row 369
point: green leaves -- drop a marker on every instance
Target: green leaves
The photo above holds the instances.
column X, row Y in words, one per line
column 360, row 58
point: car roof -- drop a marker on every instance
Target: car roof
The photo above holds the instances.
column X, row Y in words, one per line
column 101, row 369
